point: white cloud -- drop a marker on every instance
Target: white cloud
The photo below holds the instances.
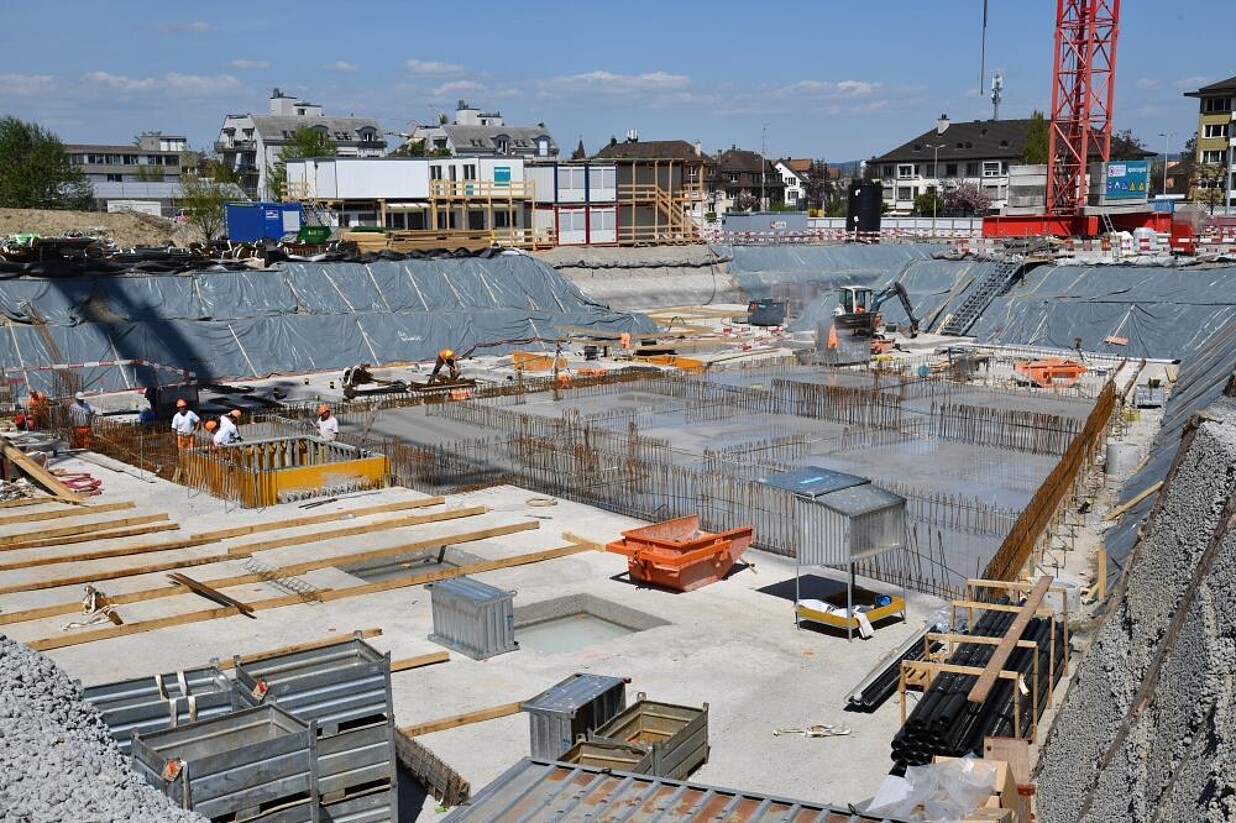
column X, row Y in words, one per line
column 828, row 90
column 606, row 82
column 458, row 87
column 1149, row 83
column 1191, row 82
column 171, row 82
column 432, row 67
column 249, row 64
column 197, row 26
column 341, row 65
column 23, row 84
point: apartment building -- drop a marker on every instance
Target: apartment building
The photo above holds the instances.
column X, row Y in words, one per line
column 142, row 176
column 1216, row 137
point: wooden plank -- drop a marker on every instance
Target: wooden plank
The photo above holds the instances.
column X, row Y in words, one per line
column 17, row 541
column 184, row 563
column 78, row 638
column 982, row 688
column 419, row 661
column 999, row 607
column 246, row 549
column 324, row 517
column 465, row 719
column 308, row 645
column 572, row 537
column 120, row 551
column 1124, row 507
column 133, row 531
column 40, row 475
column 75, row 511
column 28, row 501
column 210, row 593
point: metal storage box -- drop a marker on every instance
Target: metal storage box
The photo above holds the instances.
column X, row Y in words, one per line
column 574, row 707
column 606, row 754
column 346, row 689
column 161, row 701
column 242, row 765
column 378, row 807
column 472, row 618
column 676, row 737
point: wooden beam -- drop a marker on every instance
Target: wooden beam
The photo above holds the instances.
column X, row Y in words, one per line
column 28, row 501
column 39, row 475
column 132, row 531
column 61, row 641
column 982, row 688
column 184, row 563
column 419, row 661
column 99, row 554
column 572, row 537
column 246, row 549
column 465, row 719
column 20, row 541
column 295, row 648
column 240, row 580
column 1124, row 507
column 75, row 511
column 210, row 593
column 324, row 517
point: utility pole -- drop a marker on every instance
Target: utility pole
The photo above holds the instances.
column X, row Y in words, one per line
column 763, row 162
column 1167, row 148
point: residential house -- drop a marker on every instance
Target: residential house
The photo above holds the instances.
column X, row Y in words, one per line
column 478, row 133
column 249, row 144
column 1216, row 137
column 659, row 189
column 142, row 176
column 744, row 180
column 795, row 181
column 978, row 152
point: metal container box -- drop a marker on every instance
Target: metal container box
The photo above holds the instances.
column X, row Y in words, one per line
column 676, row 737
column 576, row 706
column 241, row 765
column 473, row 618
column 378, row 807
column 161, row 701
column 1148, row 397
column 605, row 754
column 346, row 689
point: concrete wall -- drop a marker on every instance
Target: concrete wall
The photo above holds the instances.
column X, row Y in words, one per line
column 1146, row 731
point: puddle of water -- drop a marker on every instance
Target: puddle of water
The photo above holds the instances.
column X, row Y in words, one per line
column 568, row 634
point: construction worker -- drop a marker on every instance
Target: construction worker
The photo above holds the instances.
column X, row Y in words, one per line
column 446, row 359
column 81, row 415
column 38, row 410
column 328, row 424
column 228, row 433
column 184, row 423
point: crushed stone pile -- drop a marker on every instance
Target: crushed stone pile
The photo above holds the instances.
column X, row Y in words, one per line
column 58, row 761
column 1146, row 731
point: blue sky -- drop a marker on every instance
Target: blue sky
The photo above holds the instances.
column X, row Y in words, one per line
column 827, row 79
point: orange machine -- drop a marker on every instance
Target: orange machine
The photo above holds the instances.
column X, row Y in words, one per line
column 675, row 554
column 1049, row 374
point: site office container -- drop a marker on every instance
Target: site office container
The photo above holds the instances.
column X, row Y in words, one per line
column 576, row 706
column 252, row 764
column 162, row 701
column 675, row 737
column 252, row 222
column 345, row 689
column 472, row 617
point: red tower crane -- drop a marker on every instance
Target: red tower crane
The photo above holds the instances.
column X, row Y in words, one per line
column 1083, row 90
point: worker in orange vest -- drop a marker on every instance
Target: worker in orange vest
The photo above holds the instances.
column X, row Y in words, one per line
column 446, row 359
column 38, row 410
column 81, row 415
column 184, row 423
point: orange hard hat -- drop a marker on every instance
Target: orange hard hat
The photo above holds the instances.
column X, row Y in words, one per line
column 235, row 413
column 180, row 404
column 446, row 353
column 323, row 409
column 211, row 425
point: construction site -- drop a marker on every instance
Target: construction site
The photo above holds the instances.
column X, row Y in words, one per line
column 434, row 525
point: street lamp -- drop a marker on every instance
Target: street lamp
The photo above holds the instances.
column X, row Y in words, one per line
column 1167, row 138
column 935, row 172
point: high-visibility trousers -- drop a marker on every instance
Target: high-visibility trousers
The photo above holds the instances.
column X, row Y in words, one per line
column 184, row 442
column 82, row 438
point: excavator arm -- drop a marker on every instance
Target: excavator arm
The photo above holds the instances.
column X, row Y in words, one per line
column 899, row 291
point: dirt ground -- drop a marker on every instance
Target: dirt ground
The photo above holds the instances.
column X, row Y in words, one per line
column 125, row 229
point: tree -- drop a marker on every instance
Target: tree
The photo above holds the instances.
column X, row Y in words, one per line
column 1036, row 140
column 1208, row 188
column 1127, row 146
column 412, row 148
column 928, row 203
column 966, row 199
column 35, row 170
column 1180, row 176
column 203, row 200
column 304, row 142
column 816, row 185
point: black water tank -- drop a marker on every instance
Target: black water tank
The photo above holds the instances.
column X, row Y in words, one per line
column 865, row 206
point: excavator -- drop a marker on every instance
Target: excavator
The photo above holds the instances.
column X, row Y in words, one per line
column 858, row 312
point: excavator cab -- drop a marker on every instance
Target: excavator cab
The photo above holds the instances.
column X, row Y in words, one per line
column 854, row 299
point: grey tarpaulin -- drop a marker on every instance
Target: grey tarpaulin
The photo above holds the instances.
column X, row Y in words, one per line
column 298, row 317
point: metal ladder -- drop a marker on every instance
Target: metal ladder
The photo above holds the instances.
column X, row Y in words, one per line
column 980, row 297
column 314, row 213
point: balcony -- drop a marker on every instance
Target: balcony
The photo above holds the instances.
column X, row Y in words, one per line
column 480, row 189
column 223, row 146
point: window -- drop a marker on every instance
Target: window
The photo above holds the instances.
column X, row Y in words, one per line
column 1216, row 130
column 542, row 147
column 502, row 220
column 905, row 171
column 603, row 219
column 115, row 178
column 476, row 220
column 435, row 172
column 1209, row 157
column 992, row 168
column 571, row 221
column 972, row 169
column 886, row 171
column 453, row 172
column 906, row 192
column 469, row 172
column 734, row 178
column 1216, row 105
column 502, row 144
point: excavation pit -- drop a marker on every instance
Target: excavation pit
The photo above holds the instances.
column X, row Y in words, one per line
column 575, row 622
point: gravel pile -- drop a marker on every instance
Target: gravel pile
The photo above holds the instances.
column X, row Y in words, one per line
column 58, row 761
column 1172, row 756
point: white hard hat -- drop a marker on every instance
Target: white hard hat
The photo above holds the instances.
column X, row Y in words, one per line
column 81, row 395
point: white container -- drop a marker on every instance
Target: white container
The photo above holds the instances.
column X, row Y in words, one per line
column 1122, row 458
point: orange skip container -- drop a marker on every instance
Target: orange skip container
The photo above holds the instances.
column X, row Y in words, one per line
column 675, row 554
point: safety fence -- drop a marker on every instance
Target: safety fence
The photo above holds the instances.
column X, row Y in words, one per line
column 1047, row 504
